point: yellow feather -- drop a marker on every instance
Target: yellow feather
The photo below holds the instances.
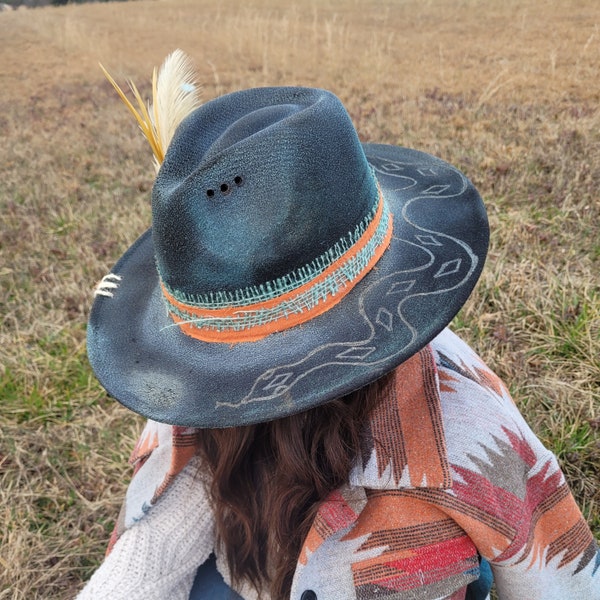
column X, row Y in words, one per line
column 140, row 114
column 175, row 94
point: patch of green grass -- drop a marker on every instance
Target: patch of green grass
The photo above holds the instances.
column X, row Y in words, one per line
column 568, row 327
column 577, row 437
column 50, row 382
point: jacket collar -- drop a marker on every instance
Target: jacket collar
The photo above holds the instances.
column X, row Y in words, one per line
column 404, row 444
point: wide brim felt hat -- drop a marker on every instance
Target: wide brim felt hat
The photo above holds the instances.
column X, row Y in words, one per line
column 287, row 264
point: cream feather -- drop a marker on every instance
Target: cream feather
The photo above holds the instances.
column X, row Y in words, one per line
column 175, row 94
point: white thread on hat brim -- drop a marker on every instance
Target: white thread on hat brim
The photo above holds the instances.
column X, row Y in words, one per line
column 107, row 284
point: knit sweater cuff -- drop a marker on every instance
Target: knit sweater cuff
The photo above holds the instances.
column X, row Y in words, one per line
column 158, row 557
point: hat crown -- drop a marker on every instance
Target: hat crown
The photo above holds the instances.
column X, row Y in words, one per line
column 255, row 186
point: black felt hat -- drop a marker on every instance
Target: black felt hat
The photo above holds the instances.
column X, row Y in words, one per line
column 288, row 264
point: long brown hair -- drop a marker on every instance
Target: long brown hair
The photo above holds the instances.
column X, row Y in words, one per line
column 268, row 480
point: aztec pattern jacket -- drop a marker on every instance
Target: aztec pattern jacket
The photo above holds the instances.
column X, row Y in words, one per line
column 449, row 473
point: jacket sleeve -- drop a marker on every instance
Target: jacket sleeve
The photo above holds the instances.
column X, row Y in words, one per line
column 158, row 556
column 553, row 554
column 536, row 540
column 508, row 492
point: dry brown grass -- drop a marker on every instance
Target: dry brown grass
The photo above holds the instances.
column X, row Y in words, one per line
column 508, row 91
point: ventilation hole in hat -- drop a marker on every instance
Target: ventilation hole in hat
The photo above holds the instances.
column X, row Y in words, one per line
column 225, row 189
column 210, row 193
column 238, row 180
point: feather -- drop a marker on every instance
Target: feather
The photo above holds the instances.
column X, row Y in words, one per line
column 175, row 94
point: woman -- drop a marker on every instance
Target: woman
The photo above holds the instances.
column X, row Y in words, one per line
column 329, row 438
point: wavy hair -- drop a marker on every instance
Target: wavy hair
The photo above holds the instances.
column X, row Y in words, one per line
column 269, row 479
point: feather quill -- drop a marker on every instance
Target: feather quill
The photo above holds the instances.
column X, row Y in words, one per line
column 175, row 94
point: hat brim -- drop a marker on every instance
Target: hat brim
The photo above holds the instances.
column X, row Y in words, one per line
column 439, row 244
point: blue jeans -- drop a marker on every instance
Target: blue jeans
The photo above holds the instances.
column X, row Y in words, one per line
column 479, row 589
column 209, row 584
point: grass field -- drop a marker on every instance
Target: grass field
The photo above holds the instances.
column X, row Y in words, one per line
column 507, row 91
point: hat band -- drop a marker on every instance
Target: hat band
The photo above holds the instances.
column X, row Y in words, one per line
column 228, row 317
